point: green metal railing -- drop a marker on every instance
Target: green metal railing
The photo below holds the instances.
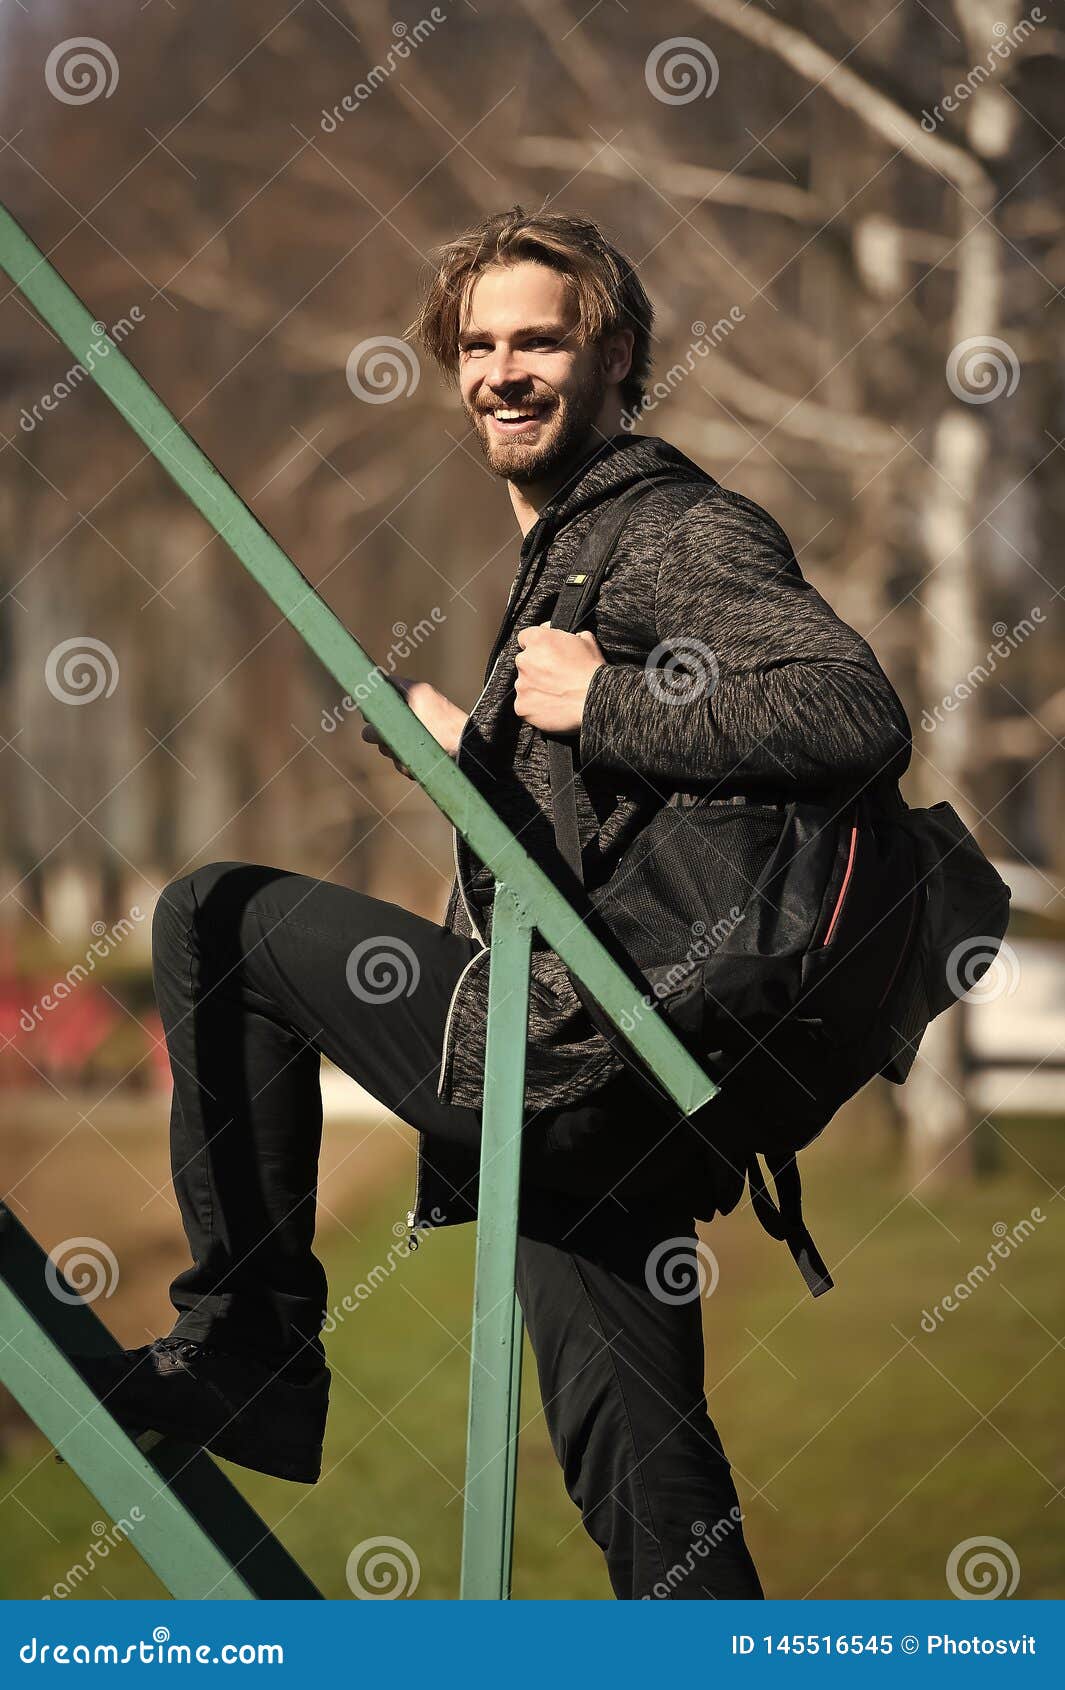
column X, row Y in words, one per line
column 177, row 1508
column 526, row 899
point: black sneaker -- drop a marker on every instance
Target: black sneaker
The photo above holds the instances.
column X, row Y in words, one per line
column 238, row 1408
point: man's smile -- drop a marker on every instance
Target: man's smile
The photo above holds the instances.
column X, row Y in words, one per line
column 525, row 418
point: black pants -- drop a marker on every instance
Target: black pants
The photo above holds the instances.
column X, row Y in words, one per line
column 259, row 971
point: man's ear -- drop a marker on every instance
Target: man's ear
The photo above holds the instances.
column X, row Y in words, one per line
column 616, row 354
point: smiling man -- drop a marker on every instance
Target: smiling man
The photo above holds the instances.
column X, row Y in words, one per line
column 547, row 331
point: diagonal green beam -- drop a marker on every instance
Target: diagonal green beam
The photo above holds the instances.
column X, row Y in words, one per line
column 350, row 665
column 192, row 1527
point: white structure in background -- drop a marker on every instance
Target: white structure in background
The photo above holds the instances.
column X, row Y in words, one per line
column 1015, row 1017
column 343, row 1099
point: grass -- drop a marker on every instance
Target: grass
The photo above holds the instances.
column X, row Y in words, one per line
column 865, row 1447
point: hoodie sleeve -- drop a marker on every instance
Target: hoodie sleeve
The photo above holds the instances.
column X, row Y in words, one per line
column 754, row 680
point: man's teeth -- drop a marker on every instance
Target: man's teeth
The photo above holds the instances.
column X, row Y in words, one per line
column 516, row 416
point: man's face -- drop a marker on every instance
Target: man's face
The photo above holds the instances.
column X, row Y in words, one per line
column 534, row 396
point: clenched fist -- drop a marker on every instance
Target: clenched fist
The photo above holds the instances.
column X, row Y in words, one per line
column 434, row 711
column 554, row 671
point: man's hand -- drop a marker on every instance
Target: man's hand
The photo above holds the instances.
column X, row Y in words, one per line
column 436, row 713
column 554, row 671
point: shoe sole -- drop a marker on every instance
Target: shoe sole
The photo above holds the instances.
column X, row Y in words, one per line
column 231, row 1444
column 301, row 1471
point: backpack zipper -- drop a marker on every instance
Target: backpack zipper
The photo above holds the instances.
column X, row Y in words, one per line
column 846, row 882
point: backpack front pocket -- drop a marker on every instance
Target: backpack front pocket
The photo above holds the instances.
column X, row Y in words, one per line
column 685, row 882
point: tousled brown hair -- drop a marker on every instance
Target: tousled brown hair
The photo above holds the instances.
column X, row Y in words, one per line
column 602, row 283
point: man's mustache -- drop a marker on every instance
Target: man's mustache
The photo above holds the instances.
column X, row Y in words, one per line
column 515, row 404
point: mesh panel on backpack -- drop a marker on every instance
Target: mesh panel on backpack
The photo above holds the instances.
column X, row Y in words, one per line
column 706, row 857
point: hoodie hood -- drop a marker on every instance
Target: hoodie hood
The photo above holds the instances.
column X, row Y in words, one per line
column 618, row 463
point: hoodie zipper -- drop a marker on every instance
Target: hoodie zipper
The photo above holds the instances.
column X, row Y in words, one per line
column 444, row 1065
column 521, row 583
column 475, row 928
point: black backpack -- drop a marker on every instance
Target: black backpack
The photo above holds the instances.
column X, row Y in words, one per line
column 866, row 919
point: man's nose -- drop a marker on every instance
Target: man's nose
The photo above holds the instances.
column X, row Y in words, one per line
column 505, row 373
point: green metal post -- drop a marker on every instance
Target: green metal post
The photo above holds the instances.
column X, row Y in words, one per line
column 495, row 1365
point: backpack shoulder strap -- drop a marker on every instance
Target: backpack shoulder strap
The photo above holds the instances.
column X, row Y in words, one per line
column 579, row 593
column 581, row 588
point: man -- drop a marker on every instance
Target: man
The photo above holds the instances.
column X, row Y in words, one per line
column 547, row 330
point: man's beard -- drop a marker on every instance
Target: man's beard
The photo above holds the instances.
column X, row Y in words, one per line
column 563, row 437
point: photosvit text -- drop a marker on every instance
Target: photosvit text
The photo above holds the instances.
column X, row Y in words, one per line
column 824, row 1643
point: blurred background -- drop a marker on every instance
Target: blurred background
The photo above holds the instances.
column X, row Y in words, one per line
column 850, row 219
